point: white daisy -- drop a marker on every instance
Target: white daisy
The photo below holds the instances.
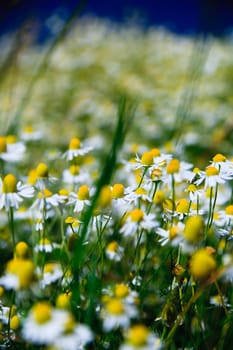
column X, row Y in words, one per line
column 76, row 149
column 30, row 134
column 12, row 192
column 10, row 150
column 114, row 251
column 44, row 324
column 136, row 220
column 46, row 200
column 73, row 176
column 52, row 272
column 116, row 313
column 139, row 337
column 19, row 274
column 80, row 199
column 74, row 337
column 213, row 176
column 133, row 196
column 172, row 235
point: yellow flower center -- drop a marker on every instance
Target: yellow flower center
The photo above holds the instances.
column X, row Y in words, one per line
column 147, row 158
column 156, row 152
column 3, row 146
column 173, row 232
column 14, row 322
column 23, row 269
column 168, row 204
column 9, row 184
column 137, row 335
column 182, row 206
column 83, row 192
column 118, row 191
column 42, row 171
column 173, row 166
column 44, row 241
column 229, row 209
column 11, row 139
column 112, row 247
column 42, row 312
column 45, row 193
column 63, row 300
column 63, row 192
column 121, row 290
column 32, row 177
column 105, row 197
column 74, row 169
column 219, row 158
column 49, row 267
column 115, row 306
column 21, row 250
column 70, row 220
column 212, row 171
column 192, row 188
column 159, row 197
column 140, row 191
column 136, row 215
column 29, row 129
column 156, row 173
column 74, row 143
column 194, row 228
column 196, row 170
column 202, row 264
column 69, row 324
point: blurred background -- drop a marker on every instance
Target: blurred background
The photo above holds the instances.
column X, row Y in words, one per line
column 44, row 18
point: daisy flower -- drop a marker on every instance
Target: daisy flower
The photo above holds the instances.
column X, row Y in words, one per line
column 52, row 272
column 10, row 150
column 44, row 245
column 80, row 199
column 136, row 220
column 74, row 176
column 139, row 337
column 226, row 216
column 41, row 176
column 114, row 251
column 46, row 200
column 152, row 159
column 172, row 235
column 76, row 148
column 181, row 171
column 44, row 324
column 30, row 134
column 132, row 195
column 74, row 336
column 12, row 192
column 220, row 161
column 213, row 176
column 119, row 203
column 218, row 300
column 116, row 313
column 194, row 192
column 19, row 274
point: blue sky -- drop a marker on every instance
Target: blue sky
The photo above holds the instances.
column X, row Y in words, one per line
column 181, row 16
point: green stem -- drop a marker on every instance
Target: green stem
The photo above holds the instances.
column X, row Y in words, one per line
column 11, row 222
column 156, row 184
column 143, row 175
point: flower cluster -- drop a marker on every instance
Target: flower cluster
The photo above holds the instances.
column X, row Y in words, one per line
column 127, row 255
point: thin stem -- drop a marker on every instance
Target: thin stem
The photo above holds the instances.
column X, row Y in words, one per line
column 156, row 184
column 12, row 226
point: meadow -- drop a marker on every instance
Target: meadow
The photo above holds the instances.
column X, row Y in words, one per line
column 116, row 191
